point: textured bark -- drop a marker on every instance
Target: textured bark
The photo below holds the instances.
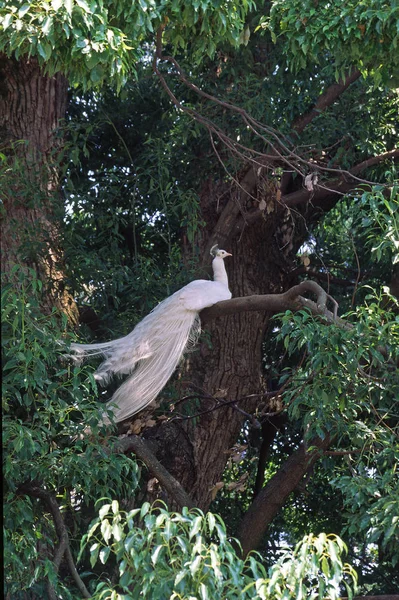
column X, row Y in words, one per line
column 229, row 368
column 32, row 107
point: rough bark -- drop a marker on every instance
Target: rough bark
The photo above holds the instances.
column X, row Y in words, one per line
column 263, row 243
column 230, row 367
column 32, row 107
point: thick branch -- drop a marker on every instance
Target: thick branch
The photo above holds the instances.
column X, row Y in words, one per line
column 273, row 496
column 171, row 485
column 292, row 299
column 325, row 99
column 36, row 491
column 341, row 185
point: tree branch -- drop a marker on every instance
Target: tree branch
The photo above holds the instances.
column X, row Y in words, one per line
column 341, row 185
column 273, row 496
column 281, row 149
column 292, row 299
column 325, row 99
column 141, row 449
column 34, row 490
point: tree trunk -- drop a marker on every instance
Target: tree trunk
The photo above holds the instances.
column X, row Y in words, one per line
column 230, row 367
column 32, row 107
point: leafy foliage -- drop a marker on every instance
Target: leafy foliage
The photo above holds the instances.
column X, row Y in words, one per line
column 355, row 34
column 47, row 408
column 132, row 203
column 96, row 42
column 188, row 555
column 349, row 385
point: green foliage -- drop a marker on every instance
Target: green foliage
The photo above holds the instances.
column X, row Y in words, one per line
column 132, row 196
column 349, row 387
column 380, row 221
column 47, row 407
column 348, row 370
column 188, row 555
column 97, row 42
column 371, row 498
column 361, row 34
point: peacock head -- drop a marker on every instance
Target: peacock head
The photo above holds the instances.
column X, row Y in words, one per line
column 216, row 252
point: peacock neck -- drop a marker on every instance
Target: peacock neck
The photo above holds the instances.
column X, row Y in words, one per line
column 219, row 271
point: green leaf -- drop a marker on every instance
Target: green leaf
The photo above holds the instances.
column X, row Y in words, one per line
column 7, row 20
column 195, row 527
column 94, row 550
column 23, row 10
column 104, row 554
column 106, row 530
column 83, row 5
column 104, row 510
column 47, row 25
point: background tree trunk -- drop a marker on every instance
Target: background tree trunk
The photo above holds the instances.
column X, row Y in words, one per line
column 32, row 107
column 230, row 366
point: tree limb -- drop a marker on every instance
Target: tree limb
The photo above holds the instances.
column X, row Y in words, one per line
column 141, row 449
column 282, row 151
column 341, row 185
column 325, row 99
column 292, row 299
column 273, row 496
column 36, row 491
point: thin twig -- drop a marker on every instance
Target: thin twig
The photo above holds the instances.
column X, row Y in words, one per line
column 283, row 151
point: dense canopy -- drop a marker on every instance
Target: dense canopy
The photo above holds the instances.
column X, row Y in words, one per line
column 134, row 137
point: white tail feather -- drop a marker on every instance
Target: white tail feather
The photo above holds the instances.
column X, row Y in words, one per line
column 152, row 373
column 151, row 352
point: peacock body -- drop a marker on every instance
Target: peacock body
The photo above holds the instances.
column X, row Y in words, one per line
column 151, row 352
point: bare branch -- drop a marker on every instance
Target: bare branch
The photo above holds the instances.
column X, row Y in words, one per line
column 283, row 152
column 340, row 186
column 141, row 449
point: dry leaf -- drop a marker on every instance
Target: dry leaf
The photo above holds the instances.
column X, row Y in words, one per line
column 218, row 486
column 136, row 426
column 262, row 204
column 309, row 182
column 240, row 485
column 220, row 393
column 152, row 484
